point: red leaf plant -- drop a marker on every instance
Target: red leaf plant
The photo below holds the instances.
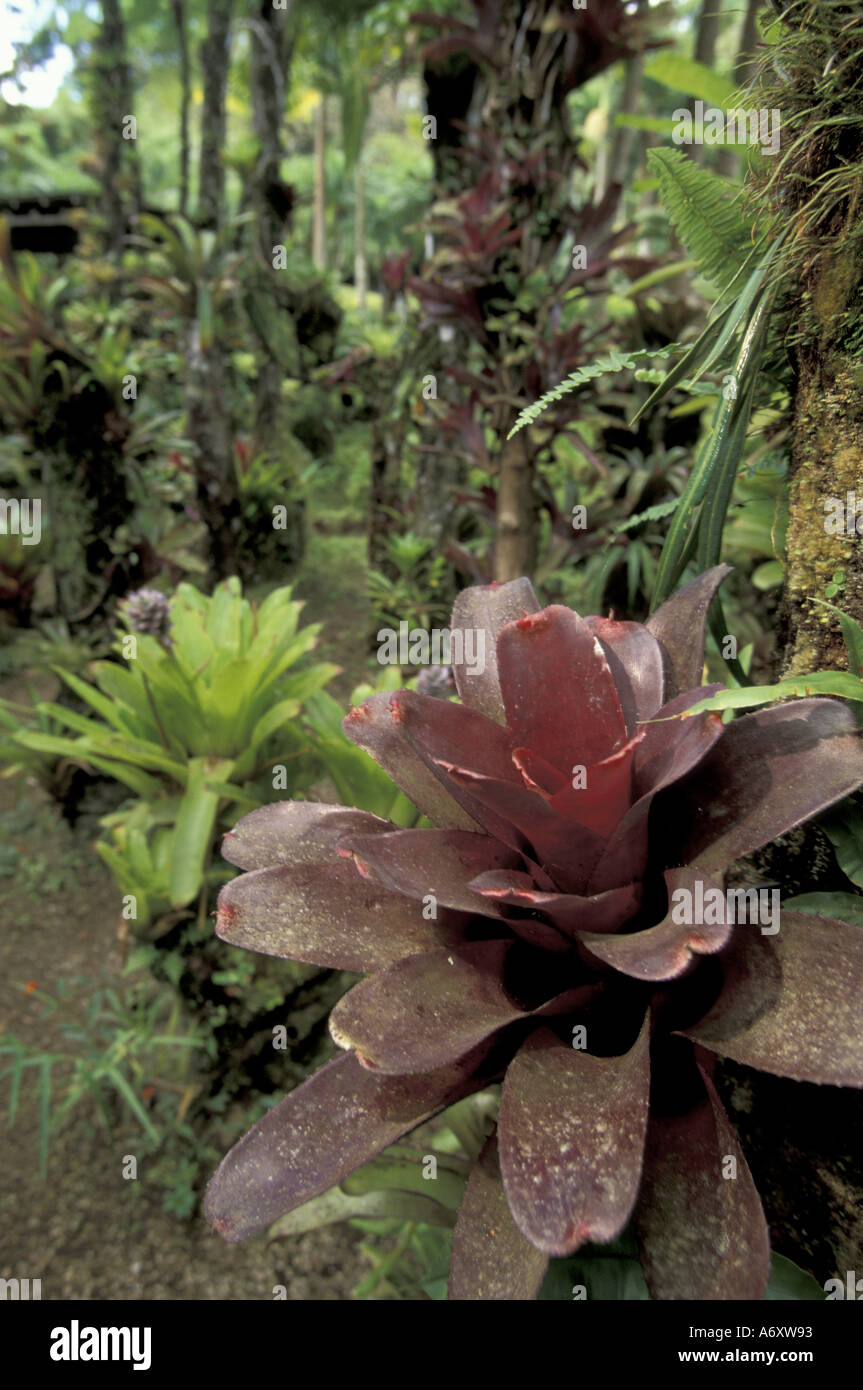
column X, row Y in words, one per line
column 530, row 939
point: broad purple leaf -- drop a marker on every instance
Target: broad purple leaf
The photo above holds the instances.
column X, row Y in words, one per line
column 673, row 747
column 567, row 851
column 426, row 1011
column 571, row 1134
column 324, row 1130
column 326, row 914
column 295, row 832
column 488, row 608
column 769, row 771
column 679, row 625
column 443, row 735
column 699, row 1220
column 666, row 950
column 602, row 794
column 635, row 660
column 372, row 727
column 673, row 751
column 604, row 912
column 792, row 1003
column 538, row 775
column 441, row 863
column 558, row 691
column 491, row 1259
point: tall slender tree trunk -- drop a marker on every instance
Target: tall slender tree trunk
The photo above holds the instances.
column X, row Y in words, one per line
column 319, row 227
column 625, row 140
column 706, row 34
column 744, row 69
column 215, row 61
column 516, row 540
column 208, row 415
column 112, row 101
column 272, row 45
column 387, row 438
column 746, row 62
column 360, row 266
column 209, row 425
column 178, row 8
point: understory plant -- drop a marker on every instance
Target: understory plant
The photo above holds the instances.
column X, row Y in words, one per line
column 190, row 719
column 563, row 931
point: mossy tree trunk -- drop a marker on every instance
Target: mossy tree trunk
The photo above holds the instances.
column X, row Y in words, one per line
column 215, row 60
column 178, row 9
column 824, row 547
column 803, row 1142
column 111, row 101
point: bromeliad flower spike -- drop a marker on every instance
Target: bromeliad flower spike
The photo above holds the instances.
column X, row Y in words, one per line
column 530, row 939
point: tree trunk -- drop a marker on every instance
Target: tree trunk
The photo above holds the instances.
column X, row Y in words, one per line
column 112, row 102
column 516, row 523
column 826, row 501
column 803, row 1141
column 706, row 34
column 208, row 422
column 745, row 65
column 360, row 269
column 179, row 11
column 215, row 60
column 319, row 228
column 272, row 45
column 385, row 486
column 624, row 141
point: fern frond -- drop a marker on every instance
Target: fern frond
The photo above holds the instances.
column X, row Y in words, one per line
column 613, row 362
column 649, row 514
column 705, row 214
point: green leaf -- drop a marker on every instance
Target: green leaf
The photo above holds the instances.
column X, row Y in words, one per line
column 789, row 1282
column 139, row 781
column 712, row 477
column 844, row 829
column 44, row 1114
column 122, row 1086
column 845, row 907
column 768, row 575
column 840, row 683
column 853, row 634
column 194, row 833
column 337, row 1205
column 275, row 717
column 306, row 683
column 614, row 361
column 695, row 79
column 704, row 213
column 118, row 716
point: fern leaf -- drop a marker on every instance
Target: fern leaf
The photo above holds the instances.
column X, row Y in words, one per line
column 656, row 513
column 705, row 215
column 614, row 362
